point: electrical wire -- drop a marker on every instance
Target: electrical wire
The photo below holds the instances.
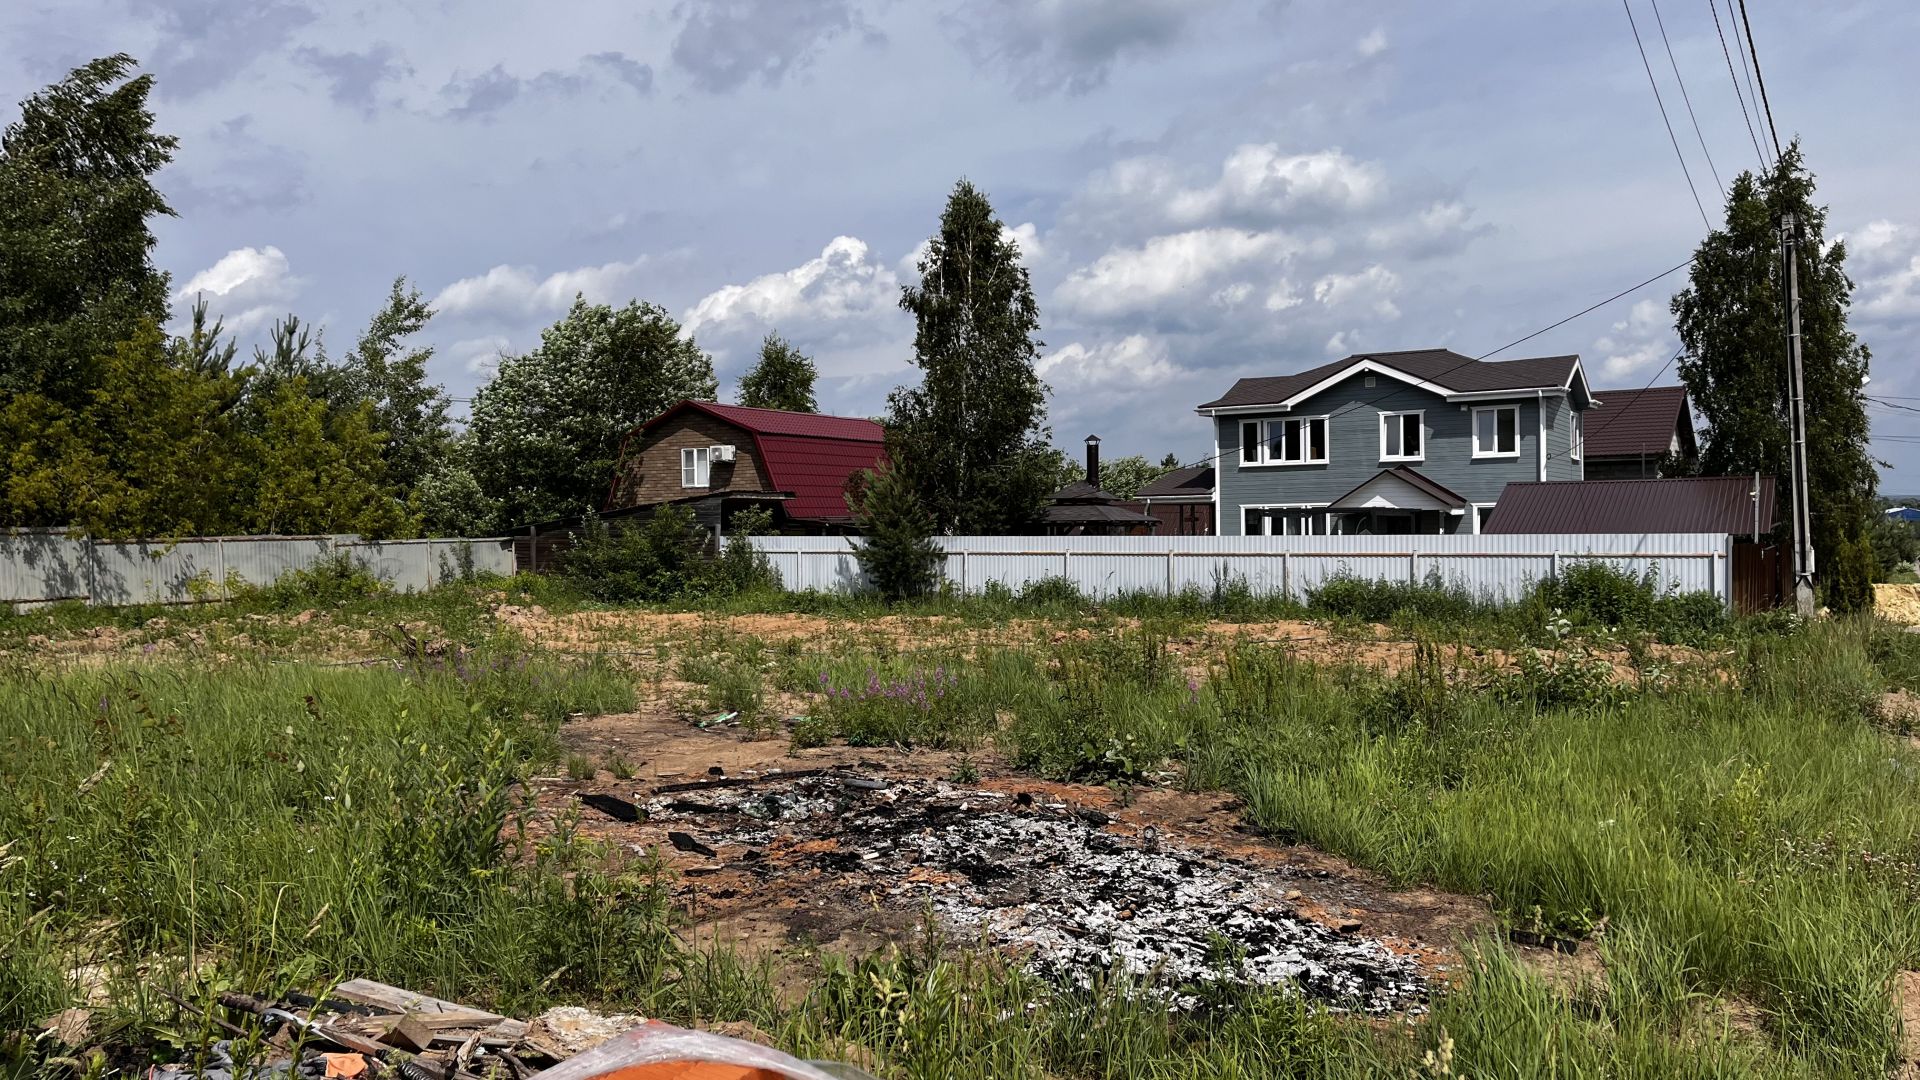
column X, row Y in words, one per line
column 1714, row 6
column 1759, row 76
column 1657, row 100
column 1687, row 98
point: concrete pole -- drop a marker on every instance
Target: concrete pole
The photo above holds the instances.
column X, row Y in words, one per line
column 1803, row 568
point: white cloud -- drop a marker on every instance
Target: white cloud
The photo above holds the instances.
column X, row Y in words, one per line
column 1135, row 362
column 1025, row 235
column 516, row 292
column 1373, row 44
column 248, row 287
column 1636, row 343
column 1441, row 229
column 1373, row 288
column 479, row 355
column 1258, row 182
column 843, row 283
column 1885, row 258
column 1166, row 268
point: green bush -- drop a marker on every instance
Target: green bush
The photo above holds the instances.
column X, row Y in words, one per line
column 666, row 558
column 1594, row 593
column 896, row 550
column 1380, row 601
column 335, row 578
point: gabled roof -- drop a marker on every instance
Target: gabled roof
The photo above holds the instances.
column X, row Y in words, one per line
column 1632, row 423
column 1693, row 504
column 1079, row 491
column 1442, row 370
column 806, row 454
column 1192, row 482
column 1401, row 473
column 1092, row 513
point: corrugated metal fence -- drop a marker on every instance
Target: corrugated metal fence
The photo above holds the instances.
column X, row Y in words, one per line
column 40, row 566
column 1497, row 567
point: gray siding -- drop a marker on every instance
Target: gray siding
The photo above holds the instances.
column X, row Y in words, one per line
column 1354, row 449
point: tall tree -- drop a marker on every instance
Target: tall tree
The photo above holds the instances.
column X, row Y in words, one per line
column 781, row 379
column 76, row 197
column 384, row 370
column 1732, row 325
column 971, row 437
column 546, row 431
column 319, row 470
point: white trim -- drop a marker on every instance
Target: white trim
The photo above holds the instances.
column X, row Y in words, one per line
column 696, row 460
column 1266, row 460
column 1363, row 367
column 1576, row 438
column 1517, row 393
column 1477, row 507
column 1266, row 519
column 1219, row 472
column 1540, row 407
column 1474, row 432
column 1421, row 414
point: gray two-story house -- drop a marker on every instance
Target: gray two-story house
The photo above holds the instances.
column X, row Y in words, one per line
column 1420, row 441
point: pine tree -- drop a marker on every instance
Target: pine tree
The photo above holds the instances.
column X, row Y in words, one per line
column 896, row 550
column 409, row 409
column 782, row 379
column 1731, row 322
column 970, row 438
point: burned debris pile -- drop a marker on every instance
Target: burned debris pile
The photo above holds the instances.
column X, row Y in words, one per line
column 1077, row 894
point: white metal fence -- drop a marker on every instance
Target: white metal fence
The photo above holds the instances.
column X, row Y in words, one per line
column 1498, row 567
column 41, row 566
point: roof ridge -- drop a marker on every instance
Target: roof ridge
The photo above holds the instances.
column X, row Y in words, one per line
column 783, row 412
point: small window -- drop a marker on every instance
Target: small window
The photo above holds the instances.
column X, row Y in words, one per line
column 1577, row 440
column 1250, row 442
column 1496, row 431
column 1401, row 436
column 696, row 463
column 1482, row 513
column 1253, row 522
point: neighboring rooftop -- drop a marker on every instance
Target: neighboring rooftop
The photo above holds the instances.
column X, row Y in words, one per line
column 1636, row 423
column 1192, row 482
column 1694, row 504
column 1443, row 368
column 807, row 455
column 782, row 422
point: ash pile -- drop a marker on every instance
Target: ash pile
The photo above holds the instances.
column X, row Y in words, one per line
column 1080, row 896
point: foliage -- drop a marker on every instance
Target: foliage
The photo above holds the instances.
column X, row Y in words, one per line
column 1591, row 592
column 334, row 579
column 1846, row 575
column 1731, row 322
column 1123, row 477
column 448, row 500
column 970, row 438
column 320, row 471
column 546, row 431
column 411, row 411
column 781, row 379
column 896, row 549
column 76, row 174
column 667, row 557
column 1375, row 600
column 741, row 567
column 1896, row 547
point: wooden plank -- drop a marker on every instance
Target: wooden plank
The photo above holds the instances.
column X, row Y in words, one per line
column 431, row 1011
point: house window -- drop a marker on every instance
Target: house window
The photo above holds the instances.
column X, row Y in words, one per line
column 1293, row 441
column 695, row 466
column 1250, row 443
column 1578, row 439
column 1401, row 436
column 1496, row 431
column 1482, row 513
column 1281, row 521
column 1253, row 522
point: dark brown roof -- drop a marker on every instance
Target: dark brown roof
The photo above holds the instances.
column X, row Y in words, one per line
column 1438, row 491
column 1079, row 491
column 1702, row 504
column 1442, row 367
column 1632, row 423
column 1192, row 482
column 1090, row 513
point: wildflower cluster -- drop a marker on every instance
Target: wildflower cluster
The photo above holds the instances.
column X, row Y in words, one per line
column 918, row 707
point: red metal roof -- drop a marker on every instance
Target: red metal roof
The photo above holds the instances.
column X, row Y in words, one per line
column 1631, row 423
column 805, row 454
column 1705, row 504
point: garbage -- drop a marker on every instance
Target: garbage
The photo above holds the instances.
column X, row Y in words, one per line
column 614, row 807
column 1075, row 893
column 657, row 1051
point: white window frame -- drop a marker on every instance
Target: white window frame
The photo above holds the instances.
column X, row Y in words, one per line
column 1314, row 514
column 696, row 467
column 1475, row 508
column 1264, row 459
column 1386, row 421
column 1577, row 439
column 1496, row 452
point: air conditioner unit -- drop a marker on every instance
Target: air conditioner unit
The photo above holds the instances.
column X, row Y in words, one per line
column 722, row 453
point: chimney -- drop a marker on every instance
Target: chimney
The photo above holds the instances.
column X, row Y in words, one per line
column 1093, row 461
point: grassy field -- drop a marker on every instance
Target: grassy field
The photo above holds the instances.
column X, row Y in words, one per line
column 1720, row 810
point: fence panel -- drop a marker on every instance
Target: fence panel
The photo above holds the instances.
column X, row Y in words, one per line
column 43, row 566
column 1500, row 568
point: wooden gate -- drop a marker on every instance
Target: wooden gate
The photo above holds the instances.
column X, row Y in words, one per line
column 1762, row 577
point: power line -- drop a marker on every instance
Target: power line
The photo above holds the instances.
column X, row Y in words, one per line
column 1585, row 310
column 1746, row 68
column 1761, row 77
column 1688, row 173
column 1714, row 6
column 1687, row 98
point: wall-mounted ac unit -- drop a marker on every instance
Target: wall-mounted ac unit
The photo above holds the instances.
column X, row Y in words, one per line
column 722, row 453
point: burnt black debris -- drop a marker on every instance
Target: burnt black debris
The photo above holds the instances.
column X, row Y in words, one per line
column 1078, row 896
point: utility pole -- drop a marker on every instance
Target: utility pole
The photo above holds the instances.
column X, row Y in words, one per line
column 1797, row 421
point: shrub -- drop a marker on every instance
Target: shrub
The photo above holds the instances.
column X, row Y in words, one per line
column 649, row 562
column 1594, row 593
column 1379, row 601
column 897, row 551
column 1846, row 576
column 741, row 567
column 334, row 578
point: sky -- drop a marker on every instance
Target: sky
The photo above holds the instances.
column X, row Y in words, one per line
column 1201, row 189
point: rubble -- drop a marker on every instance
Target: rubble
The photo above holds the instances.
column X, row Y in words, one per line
column 1077, row 894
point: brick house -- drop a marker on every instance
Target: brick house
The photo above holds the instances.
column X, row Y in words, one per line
column 718, row 459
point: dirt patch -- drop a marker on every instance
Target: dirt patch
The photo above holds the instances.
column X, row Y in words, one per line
column 1899, row 603
column 1899, row 711
column 851, row 848
column 1906, row 1000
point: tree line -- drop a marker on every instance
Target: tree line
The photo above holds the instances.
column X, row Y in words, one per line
column 114, row 425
